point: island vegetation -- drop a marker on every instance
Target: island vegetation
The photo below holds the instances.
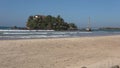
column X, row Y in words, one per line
column 49, row 23
column 109, row 28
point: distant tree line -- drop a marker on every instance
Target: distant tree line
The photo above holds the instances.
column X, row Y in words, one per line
column 109, row 28
column 49, row 23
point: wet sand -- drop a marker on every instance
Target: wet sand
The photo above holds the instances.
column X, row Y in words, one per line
column 92, row 52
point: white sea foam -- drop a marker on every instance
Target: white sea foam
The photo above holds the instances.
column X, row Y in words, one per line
column 58, row 33
column 35, row 36
column 85, row 32
column 11, row 34
column 24, row 30
column 24, row 33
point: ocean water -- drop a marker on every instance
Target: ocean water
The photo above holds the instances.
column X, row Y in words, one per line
column 38, row 34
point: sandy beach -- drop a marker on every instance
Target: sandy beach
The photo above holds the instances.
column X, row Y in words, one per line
column 92, row 52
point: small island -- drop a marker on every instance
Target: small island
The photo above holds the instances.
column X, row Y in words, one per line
column 41, row 22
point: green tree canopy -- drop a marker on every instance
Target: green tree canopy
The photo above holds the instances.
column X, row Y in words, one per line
column 49, row 22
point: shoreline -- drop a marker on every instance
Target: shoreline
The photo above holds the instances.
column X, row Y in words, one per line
column 19, row 35
column 59, row 37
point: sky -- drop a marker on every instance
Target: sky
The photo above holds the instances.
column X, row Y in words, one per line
column 103, row 13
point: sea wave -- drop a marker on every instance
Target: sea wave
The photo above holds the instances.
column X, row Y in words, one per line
column 23, row 30
column 43, row 33
column 34, row 36
column 26, row 34
column 6, row 33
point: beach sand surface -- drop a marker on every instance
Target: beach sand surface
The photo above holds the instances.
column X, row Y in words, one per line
column 92, row 52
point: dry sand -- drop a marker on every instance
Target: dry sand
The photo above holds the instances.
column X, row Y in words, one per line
column 92, row 52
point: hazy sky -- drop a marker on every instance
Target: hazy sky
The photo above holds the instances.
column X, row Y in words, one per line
column 102, row 12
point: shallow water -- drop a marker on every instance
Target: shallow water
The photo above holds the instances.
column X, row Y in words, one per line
column 31, row 34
